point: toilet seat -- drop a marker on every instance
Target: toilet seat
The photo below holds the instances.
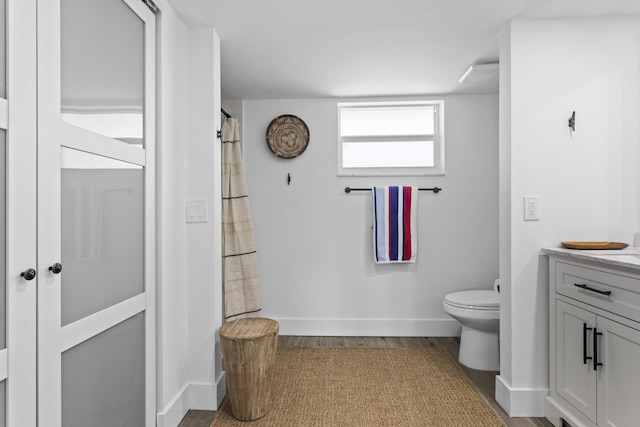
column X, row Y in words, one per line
column 474, row 300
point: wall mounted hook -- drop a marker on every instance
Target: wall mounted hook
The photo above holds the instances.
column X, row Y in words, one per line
column 288, row 179
column 572, row 121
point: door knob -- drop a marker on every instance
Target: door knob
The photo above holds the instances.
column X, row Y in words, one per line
column 56, row 268
column 28, row 274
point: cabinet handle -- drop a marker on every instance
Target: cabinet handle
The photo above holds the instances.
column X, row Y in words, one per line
column 595, row 350
column 587, row 288
column 584, row 344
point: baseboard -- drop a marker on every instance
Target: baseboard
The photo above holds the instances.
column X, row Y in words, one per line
column 221, row 388
column 206, row 397
column 176, row 410
column 520, row 402
column 203, row 397
column 370, row 327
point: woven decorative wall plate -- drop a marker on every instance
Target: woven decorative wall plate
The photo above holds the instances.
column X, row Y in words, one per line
column 287, row 136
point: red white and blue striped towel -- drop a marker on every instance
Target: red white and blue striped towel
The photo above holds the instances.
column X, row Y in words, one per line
column 394, row 224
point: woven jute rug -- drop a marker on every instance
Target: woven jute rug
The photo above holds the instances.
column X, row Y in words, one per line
column 345, row 387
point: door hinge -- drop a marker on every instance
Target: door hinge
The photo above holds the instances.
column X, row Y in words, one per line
column 151, row 5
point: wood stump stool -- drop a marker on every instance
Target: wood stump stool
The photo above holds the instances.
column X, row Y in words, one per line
column 249, row 348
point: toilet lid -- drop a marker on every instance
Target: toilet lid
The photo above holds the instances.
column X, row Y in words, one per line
column 481, row 299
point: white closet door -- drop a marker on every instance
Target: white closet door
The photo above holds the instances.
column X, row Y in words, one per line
column 96, row 213
column 18, row 161
column 4, row 122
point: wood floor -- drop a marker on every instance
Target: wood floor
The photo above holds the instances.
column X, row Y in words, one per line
column 484, row 381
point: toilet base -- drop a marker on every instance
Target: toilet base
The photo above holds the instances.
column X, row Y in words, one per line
column 479, row 349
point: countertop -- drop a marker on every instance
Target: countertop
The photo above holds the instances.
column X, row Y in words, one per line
column 628, row 257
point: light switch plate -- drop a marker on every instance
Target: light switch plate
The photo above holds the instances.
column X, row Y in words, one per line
column 196, row 211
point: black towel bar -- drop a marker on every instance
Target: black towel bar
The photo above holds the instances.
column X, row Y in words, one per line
column 349, row 189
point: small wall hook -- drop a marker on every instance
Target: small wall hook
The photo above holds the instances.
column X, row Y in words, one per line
column 288, row 179
column 572, row 121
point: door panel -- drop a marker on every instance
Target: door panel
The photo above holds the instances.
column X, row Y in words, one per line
column 96, row 329
column 3, row 238
column 3, row 205
column 3, row 399
column 3, row 49
column 103, row 379
column 3, row 276
column 18, row 360
column 102, row 233
column 102, row 68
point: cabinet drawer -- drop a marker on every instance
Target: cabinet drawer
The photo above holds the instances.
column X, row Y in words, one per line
column 616, row 293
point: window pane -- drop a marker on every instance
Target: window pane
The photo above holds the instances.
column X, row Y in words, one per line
column 387, row 154
column 393, row 120
column 102, row 233
column 102, row 68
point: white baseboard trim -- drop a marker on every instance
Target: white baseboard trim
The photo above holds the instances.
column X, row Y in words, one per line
column 176, row 410
column 206, row 397
column 221, row 389
column 520, row 402
column 370, row 327
column 203, row 397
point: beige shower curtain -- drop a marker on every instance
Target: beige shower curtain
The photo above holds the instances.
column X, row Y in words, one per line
column 240, row 262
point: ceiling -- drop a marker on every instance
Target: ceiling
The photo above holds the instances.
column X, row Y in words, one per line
column 287, row 49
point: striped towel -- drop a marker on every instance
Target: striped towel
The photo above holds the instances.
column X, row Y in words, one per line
column 395, row 228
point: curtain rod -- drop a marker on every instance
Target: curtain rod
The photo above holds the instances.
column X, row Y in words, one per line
column 227, row 115
column 349, row 189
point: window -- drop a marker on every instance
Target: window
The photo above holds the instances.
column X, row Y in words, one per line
column 391, row 138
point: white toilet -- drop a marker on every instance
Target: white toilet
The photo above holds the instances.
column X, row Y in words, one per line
column 479, row 313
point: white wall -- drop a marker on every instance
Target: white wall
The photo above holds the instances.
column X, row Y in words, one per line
column 204, row 249
column 189, row 372
column 314, row 241
column 172, row 298
column 587, row 180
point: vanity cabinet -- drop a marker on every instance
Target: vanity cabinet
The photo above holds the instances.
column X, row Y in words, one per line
column 594, row 342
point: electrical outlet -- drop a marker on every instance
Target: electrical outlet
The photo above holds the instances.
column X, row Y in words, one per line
column 531, row 208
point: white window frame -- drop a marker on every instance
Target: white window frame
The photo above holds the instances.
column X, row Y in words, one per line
column 437, row 138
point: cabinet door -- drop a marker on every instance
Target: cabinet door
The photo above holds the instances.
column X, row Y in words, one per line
column 575, row 379
column 619, row 376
